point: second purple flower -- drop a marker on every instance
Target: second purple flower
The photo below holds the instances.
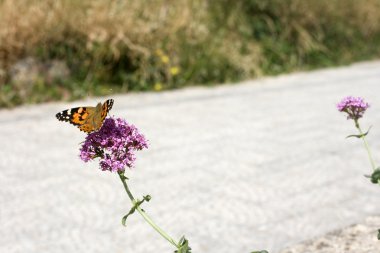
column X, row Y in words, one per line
column 355, row 107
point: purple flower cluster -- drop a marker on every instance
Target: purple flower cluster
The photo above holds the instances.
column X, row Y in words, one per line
column 355, row 107
column 115, row 143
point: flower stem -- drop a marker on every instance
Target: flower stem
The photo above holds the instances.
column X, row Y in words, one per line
column 366, row 145
column 143, row 214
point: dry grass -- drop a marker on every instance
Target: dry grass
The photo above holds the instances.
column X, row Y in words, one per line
column 103, row 29
column 138, row 26
column 126, row 42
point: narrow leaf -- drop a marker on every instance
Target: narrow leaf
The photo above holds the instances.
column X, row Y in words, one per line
column 134, row 207
column 359, row 135
column 124, row 219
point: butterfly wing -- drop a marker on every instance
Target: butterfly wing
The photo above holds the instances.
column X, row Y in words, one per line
column 77, row 116
column 87, row 127
column 100, row 114
column 106, row 107
column 87, row 119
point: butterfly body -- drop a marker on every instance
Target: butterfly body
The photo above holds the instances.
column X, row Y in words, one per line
column 87, row 118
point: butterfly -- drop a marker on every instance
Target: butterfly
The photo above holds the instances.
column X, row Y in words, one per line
column 87, row 118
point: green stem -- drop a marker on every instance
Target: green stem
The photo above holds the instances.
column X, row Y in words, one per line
column 143, row 214
column 366, row 145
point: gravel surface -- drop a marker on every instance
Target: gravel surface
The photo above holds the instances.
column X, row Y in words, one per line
column 358, row 238
column 261, row 164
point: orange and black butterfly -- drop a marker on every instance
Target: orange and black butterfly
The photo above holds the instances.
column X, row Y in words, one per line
column 87, row 118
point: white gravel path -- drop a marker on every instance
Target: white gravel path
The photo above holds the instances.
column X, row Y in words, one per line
column 262, row 164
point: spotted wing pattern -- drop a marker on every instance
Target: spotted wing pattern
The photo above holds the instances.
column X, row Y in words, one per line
column 106, row 107
column 87, row 119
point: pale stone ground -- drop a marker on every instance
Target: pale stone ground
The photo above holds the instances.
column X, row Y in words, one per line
column 358, row 238
column 257, row 165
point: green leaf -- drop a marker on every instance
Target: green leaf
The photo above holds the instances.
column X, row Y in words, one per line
column 122, row 175
column 134, row 207
column 124, row 219
column 260, row 251
column 378, row 234
column 359, row 135
column 147, row 198
column 375, row 177
column 183, row 246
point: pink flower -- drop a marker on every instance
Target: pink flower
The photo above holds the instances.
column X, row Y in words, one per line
column 115, row 144
column 355, row 107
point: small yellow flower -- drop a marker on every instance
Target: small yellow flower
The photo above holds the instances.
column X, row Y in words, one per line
column 174, row 71
column 165, row 59
column 157, row 86
column 159, row 52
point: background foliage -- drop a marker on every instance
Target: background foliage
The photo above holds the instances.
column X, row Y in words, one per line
column 125, row 45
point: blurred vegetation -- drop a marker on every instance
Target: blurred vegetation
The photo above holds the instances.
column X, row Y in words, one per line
column 125, row 45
